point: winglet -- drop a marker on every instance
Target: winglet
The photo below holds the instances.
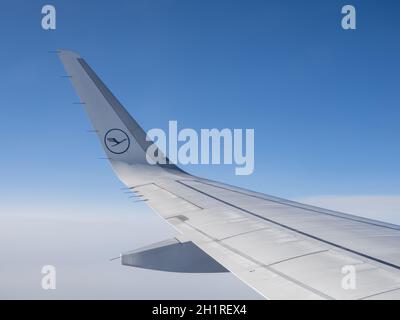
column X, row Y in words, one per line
column 120, row 135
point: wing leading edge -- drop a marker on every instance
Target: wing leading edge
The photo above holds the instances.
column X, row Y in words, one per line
column 282, row 249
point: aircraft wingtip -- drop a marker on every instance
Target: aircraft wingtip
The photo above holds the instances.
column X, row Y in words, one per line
column 64, row 52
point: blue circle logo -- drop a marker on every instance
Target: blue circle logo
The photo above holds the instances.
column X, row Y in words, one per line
column 117, row 141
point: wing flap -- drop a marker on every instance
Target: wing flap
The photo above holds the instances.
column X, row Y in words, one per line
column 172, row 256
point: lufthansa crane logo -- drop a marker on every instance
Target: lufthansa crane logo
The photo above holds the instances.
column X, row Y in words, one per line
column 117, row 141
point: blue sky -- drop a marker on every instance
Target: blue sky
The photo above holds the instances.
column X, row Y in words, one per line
column 323, row 101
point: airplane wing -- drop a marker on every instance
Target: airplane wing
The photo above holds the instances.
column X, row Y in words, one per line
column 280, row 248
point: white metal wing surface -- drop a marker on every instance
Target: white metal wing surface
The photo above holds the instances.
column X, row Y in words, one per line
column 282, row 249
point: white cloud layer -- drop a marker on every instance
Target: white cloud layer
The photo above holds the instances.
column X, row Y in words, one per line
column 79, row 242
column 80, row 245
